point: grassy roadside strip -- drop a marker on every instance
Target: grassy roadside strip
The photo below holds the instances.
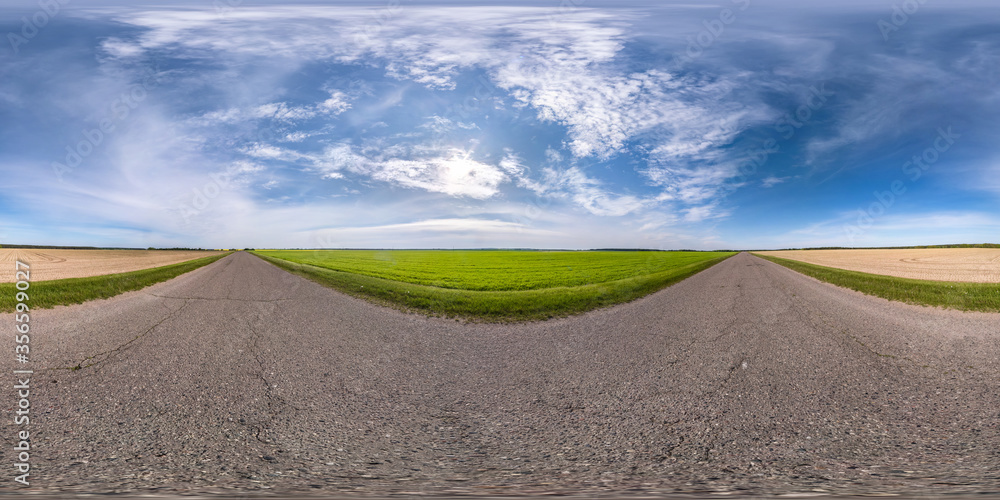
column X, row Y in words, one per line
column 493, row 307
column 48, row 294
column 983, row 297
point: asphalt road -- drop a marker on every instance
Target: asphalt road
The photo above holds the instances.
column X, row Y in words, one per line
column 241, row 378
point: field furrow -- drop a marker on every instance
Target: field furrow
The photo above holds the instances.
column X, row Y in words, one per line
column 56, row 264
column 971, row 265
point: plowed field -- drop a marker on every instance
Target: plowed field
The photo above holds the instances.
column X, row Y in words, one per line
column 54, row 264
column 974, row 265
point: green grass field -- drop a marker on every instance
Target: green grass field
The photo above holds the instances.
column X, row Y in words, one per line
column 48, row 294
column 494, row 285
column 983, row 297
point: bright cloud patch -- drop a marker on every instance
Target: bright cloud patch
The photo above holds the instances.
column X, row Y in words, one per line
column 453, row 174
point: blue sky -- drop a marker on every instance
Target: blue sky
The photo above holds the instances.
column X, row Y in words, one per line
column 550, row 124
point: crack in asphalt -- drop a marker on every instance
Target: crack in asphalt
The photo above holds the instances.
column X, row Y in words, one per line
column 274, row 402
column 107, row 354
column 730, row 328
column 818, row 321
column 890, row 356
column 823, row 321
column 222, row 299
column 124, row 346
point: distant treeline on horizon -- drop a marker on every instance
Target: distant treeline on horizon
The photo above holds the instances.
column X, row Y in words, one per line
column 957, row 245
column 501, row 249
column 58, row 247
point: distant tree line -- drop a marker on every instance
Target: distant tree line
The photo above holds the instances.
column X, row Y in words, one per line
column 957, row 245
column 63, row 247
column 179, row 248
column 56, row 247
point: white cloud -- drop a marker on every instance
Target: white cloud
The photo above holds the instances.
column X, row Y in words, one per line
column 511, row 164
column 455, row 173
column 587, row 193
column 120, row 49
column 242, row 167
column 553, row 156
column 440, row 125
column 336, row 104
column 451, row 225
column 450, row 172
column 773, row 181
column 692, row 184
column 704, row 212
column 298, row 136
column 269, row 152
column 584, row 191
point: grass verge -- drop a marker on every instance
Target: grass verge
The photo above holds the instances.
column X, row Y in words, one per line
column 48, row 294
column 490, row 306
column 983, row 297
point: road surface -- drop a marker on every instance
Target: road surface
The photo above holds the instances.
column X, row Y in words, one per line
column 241, row 378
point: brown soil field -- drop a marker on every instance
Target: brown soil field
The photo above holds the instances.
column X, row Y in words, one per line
column 977, row 265
column 54, row 264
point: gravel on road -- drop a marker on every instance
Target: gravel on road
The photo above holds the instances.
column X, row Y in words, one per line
column 239, row 378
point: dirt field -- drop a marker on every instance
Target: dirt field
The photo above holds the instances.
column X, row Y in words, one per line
column 54, row 264
column 978, row 265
